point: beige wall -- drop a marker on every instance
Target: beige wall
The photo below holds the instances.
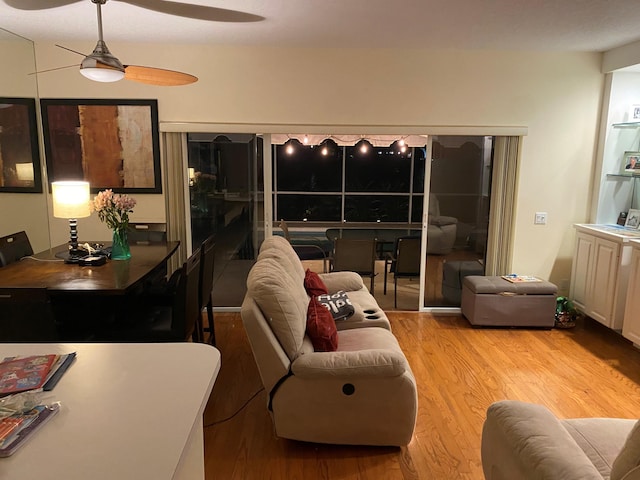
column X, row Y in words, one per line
column 556, row 96
column 21, row 211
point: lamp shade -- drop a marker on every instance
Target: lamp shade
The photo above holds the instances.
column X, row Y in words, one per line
column 71, row 199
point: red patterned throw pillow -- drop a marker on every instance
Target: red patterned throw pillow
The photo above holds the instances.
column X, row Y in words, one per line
column 313, row 284
column 321, row 327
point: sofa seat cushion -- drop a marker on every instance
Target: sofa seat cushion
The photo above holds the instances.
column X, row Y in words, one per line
column 627, row 463
column 366, row 352
column 600, row 438
column 283, row 302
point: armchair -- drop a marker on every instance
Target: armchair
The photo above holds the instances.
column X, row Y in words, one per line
column 524, row 441
column 441, row 229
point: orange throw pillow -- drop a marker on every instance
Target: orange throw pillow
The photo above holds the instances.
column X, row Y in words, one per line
column 321, row 327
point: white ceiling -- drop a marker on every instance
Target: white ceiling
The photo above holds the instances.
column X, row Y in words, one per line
column 542, row 25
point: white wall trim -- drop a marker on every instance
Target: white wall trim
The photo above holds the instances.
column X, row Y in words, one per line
column 263, row 128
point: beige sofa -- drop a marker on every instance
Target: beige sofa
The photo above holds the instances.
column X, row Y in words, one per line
column 362, row 394
column 524, row 441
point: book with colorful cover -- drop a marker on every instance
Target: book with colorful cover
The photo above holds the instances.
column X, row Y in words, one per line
column 19, row 374
column 515, row 278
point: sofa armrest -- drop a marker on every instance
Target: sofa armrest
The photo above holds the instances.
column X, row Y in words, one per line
column 346, row 281
column 526, row 441
column 363, row 363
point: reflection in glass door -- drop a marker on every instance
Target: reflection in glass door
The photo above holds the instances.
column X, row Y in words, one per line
column 458, row 220
column 222, row 185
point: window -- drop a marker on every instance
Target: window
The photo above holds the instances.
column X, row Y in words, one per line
column 379, row 184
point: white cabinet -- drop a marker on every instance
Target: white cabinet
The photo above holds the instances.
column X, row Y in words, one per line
column 600, row 273
column 631, row 326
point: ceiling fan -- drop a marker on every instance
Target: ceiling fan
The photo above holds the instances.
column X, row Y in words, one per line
column 102, row 66
column 189, row 10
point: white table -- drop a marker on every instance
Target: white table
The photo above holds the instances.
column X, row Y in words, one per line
column 128, row 411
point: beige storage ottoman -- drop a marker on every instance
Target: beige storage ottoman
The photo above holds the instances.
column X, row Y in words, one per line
column 494, row 301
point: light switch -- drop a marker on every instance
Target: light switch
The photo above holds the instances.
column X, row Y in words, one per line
column 541, row 218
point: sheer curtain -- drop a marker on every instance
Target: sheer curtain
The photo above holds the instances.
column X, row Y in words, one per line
column 503, row 199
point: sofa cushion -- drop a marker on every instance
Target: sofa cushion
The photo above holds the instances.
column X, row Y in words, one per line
column 366, row 352
column 313, row 284
column 282, row 300
column 321, row 328
column 281, row 250
column 600, row 439
column 628, row 460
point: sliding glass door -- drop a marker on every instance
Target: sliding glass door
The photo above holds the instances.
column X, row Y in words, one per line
column 323, row 187
column 222, row 185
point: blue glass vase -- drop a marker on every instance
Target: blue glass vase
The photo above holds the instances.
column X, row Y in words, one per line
column 120, row 247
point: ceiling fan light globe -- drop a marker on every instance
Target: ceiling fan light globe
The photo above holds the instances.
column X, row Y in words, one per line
column 102, row 74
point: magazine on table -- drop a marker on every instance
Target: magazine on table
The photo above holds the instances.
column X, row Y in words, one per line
column 19, row 374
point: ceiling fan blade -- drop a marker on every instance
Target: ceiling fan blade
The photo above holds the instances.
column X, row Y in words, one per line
column 53, row 69
column 157, row 76
column 38, row 4
column 70, row 50
column 189, row 10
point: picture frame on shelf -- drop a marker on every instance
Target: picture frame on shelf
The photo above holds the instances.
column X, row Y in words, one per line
column 109, row 143
column 633, row 219
column 634, row 113
column 631, row 163
column 20, row 170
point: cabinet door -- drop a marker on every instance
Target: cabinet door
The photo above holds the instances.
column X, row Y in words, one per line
column 631, row 325
column 581, row 269
column 602, row 291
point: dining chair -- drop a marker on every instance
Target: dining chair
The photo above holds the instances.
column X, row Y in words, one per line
column 26, row 316
column 355, row 255
column 144, row 233
column 14, row 247
column 205, row 298
column 161, row 321
column 404, row 262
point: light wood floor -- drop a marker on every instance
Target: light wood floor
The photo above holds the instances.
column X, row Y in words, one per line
column 588, row 371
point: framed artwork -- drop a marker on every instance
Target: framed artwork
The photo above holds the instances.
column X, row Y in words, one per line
column 19, row 154
column 108, row 143
column 631, row 162
column 634, row 113
column 633, row 219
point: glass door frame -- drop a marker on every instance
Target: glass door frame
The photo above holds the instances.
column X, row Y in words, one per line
column 265, row 132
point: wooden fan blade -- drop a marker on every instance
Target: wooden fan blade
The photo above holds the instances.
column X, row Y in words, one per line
column 157, row 76
column 38, row 4
column 189, row 10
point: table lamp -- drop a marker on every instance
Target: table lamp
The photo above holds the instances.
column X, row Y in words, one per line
column 71, row 200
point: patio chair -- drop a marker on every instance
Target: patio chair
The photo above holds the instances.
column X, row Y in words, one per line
column 356, row 256
column 404, row 262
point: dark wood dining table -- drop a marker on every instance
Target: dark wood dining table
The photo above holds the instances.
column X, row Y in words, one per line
column 86, row 301
column 115, row 277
